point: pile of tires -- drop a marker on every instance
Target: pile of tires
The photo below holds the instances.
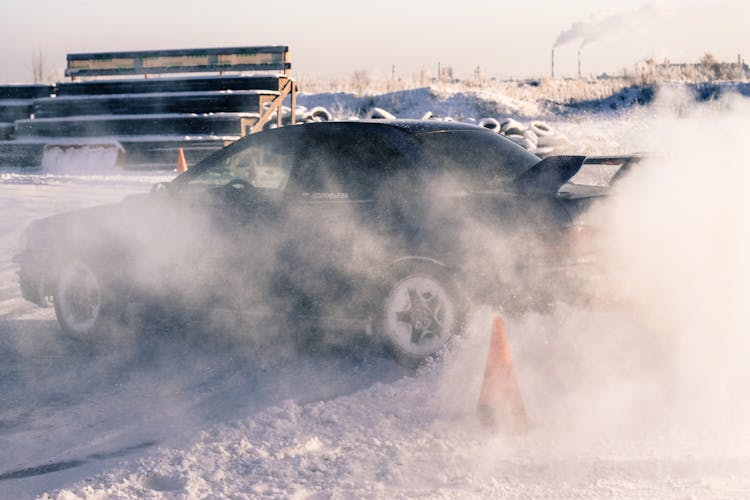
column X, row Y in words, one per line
column 301, row 115
column 538, row 137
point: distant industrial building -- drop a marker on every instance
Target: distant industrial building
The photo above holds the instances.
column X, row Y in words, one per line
column 707, row 69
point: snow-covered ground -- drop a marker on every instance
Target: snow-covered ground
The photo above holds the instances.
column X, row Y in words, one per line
column 644, row 398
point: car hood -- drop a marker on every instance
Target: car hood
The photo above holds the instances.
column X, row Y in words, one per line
column 101, row 223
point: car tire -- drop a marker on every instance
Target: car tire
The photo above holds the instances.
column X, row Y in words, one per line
column 320, row 114
column 419, row 309
column 509, row 126
column 540, row 128
column 490, row 123
column 86, row 307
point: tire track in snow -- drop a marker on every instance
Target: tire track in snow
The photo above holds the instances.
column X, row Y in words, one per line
column 70, row 464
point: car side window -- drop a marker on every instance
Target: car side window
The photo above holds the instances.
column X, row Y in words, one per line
column 264, row 164
column 477, row 160
column 343, row 164
column 313, row 174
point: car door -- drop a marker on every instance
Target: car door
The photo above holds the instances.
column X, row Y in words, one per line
column 331, row 196
column 240, row 198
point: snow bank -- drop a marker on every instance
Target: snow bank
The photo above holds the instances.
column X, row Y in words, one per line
column 419, row 437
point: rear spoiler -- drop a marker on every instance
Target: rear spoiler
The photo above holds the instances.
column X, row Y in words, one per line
column 550, row 174
column 626, row 163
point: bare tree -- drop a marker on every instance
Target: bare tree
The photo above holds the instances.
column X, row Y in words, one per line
column 709, row 66
column 360, row 81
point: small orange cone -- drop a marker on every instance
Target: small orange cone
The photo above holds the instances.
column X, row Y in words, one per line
column 500, row 405
column 181, row 163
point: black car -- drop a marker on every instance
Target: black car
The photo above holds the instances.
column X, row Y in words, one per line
column 394, row 226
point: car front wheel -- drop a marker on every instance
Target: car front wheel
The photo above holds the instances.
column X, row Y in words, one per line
column 84, row 306
column 419, row 312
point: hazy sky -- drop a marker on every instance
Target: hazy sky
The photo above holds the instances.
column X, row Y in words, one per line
column 334, row 38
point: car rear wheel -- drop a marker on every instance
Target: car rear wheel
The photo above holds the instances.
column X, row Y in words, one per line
column 84, row 305
column 420, row 310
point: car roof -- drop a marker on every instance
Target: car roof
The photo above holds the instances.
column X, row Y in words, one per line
column 376, row 126
column 409, row 126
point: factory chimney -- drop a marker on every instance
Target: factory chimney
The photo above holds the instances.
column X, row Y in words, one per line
column 553, row 63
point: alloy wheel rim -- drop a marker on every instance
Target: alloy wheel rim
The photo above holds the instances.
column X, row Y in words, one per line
column 79, row 296
column 420, row 315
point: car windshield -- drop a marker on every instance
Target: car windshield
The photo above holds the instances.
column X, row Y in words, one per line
column 478, row 159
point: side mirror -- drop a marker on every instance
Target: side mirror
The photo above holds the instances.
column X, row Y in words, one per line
column 160, row 187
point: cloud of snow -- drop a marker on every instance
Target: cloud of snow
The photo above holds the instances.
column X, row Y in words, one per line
column 676, row 247
column 657, row 361
column 659, row 352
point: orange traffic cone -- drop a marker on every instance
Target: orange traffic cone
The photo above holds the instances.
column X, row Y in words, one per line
column 181, row 163
column 500, row 405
